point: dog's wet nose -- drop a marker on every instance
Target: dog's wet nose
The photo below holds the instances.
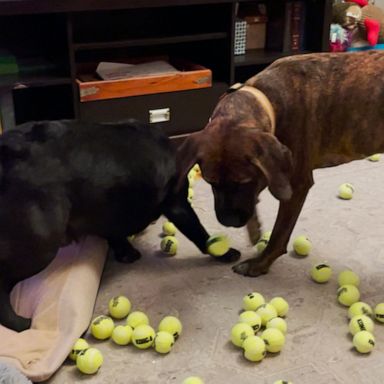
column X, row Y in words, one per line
column 232, row 220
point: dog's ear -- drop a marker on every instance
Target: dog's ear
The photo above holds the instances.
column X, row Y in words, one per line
column 275, row 161
column 187, row 156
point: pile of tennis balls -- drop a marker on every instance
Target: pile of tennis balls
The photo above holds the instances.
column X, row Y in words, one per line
column 260, row 316
column 135, row 330
column 169, row 243
column 360, row 314
column 193, row 175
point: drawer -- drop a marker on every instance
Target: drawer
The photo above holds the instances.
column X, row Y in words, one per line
column 188, row 111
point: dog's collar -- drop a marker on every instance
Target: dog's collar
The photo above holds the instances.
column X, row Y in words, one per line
column 260, row 97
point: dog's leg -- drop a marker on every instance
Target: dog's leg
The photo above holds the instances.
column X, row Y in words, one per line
column 180, row 212
column 123, row 250
column 253, row 228
column 287, row 216
column 8, row 317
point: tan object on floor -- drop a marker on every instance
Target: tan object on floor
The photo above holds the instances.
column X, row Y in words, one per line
column 60, row 299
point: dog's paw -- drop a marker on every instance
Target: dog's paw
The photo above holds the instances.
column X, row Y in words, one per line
column 19, row 324
column 230, row 256
column 251, row 267
column 129, row 256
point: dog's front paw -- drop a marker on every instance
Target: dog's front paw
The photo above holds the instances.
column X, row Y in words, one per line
column 230, row 256
column 251, row 267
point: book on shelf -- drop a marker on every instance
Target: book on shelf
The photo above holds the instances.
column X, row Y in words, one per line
column 297, row 27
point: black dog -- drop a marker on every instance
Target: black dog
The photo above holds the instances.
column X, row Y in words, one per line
column 61, row 180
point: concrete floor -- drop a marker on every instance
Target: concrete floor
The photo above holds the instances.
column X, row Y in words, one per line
column 207, row 296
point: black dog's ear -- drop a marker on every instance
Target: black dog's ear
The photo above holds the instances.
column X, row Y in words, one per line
column 275, row 161
column 187, row 156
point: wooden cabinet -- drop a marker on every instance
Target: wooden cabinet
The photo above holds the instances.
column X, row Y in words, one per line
column 54, row 41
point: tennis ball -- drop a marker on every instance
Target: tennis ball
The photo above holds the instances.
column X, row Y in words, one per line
column 266, row 313
column 374, row 157
column 263, row 242
column 137, row 318
column 197, row 170
column 190, row 195
column 321, row 273
column 89, row 361
column 163, row 342
column 280, row 305
column 169, row 229
column 282, row 382
column 193, row 380
column 131, row 237
column 79, row 346
column 119, row 307
column 143, row 336
column 359, row 308
column 122, row 334
column 240, row 332
column 217, row 245
column 348, row 278
column 251, row 318
column 102, row 327
column 302, row 245
column 254, row 348
column 360, row 323
column 364, row 341
column 379, row 312
column 252, row 301
column 169, row 245
column 345, row 191
column 274, row 339
column 172, row 325
column 348, row 295
column 278, row 323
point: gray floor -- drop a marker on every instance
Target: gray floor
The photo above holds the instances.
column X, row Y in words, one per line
column 207, row 296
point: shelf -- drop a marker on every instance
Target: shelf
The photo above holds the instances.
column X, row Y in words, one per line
column 149, row 41
column 36, row 80
column 261, row 56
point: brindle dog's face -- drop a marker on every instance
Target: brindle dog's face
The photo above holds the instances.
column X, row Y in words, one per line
column 238, row 162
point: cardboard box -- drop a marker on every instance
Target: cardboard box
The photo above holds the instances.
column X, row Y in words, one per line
column 256, row 31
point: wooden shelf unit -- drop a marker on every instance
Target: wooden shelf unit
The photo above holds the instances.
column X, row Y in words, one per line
column 72, row 33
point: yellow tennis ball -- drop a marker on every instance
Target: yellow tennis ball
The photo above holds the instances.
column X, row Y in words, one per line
column 274, row 339
column 346, row 191
column 102, row 327
column 379, row 312
column 137, row 318
column 348, row 278
column 280, row 305
column 374, row 157
column 172, row 325
column 143, row 336
column 282, row 382
column 251, row 318
column 80, row 345
column 122, row 334
column 359, row 308
column 278, row 323
column 348, row 295
column 89, row 361
column 364, row 341
column 263, row 241
column 254, row 348
column 266, row 313
column 360, row 323
column 119, row 307
column 302, row 245
column 163, row 342
column 190, row 195
column 321, row 273
column 240, row 332
column 252, row 301
column 218, row 245
column 169, row 245
column 169, row 229
column 193, row 380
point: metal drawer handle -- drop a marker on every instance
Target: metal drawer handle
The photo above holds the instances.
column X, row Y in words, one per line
column 159, row 115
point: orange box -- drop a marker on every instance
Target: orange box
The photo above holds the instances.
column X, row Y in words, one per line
column 191, row 76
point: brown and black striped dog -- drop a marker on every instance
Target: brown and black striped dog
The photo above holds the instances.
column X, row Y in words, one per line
column 301, row 113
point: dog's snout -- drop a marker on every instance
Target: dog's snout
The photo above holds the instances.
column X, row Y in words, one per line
column 232, row 219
